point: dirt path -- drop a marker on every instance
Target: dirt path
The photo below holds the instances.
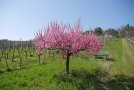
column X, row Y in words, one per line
column 123, row 63
column 128, row 57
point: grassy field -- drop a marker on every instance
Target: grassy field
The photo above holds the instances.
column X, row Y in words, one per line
column 116, row 73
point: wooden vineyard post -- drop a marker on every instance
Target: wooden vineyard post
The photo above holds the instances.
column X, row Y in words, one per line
column 5, row 56
column 13, row 53
column 26, row 51
column 20, row 53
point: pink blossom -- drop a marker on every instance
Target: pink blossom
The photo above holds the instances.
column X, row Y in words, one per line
column 67, row 38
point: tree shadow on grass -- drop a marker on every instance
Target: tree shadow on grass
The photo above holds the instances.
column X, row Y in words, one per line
column 12, row 69
column 81, row 80
column 108, row 58
column 121, row 82
column 6, row 70
column 1, row 72
column 96, row 80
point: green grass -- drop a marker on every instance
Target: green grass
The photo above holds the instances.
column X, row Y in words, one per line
column 124, row 58
column 42, row 76
column 116, row 73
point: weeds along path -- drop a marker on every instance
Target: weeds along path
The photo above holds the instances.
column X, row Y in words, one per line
column 107, row 65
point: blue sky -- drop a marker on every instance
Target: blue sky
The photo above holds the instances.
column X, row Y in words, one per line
column 21, row 18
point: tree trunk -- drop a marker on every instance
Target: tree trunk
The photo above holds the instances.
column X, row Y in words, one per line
column 53, row 55
column 1, row 55
column 26, row 51
column 44, row 59
column 20, row 59
column 5, row 56
column 6, row 61
column 49, row 53
column 13, row 54
column 26, row 54
column 67, row 63
column 20, row 53
column 13, row 57
column 39, row 58
column 33, row 51
column 63, row 56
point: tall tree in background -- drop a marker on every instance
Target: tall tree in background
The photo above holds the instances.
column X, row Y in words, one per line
column 112, row 32
column 126, row 30
column 69, row 39
column 98, row 31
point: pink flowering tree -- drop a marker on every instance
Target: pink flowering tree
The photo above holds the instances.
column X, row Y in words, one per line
column 69, row 39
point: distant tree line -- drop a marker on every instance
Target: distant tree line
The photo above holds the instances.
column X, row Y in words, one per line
column 100, row 32
column 124, row 31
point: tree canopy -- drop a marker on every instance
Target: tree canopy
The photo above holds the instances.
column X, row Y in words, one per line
column 98, row 31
